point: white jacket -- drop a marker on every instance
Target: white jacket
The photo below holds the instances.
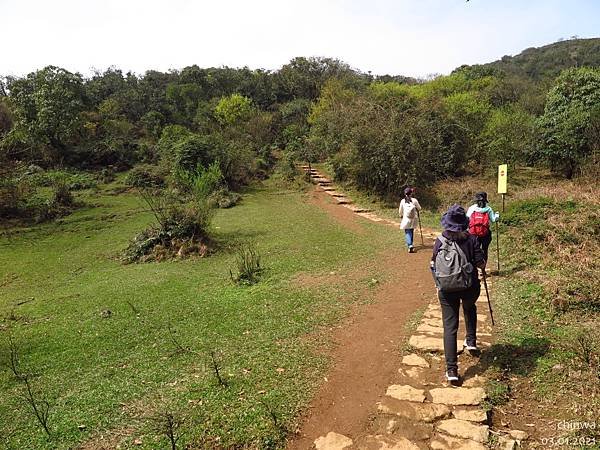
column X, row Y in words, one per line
column 409, row 222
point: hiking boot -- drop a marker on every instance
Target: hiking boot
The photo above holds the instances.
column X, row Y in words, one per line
column 452, row 375
column 471, row 348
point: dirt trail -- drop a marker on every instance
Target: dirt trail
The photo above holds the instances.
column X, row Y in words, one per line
column 365, row 360
column 367, row 346
column 386, row 389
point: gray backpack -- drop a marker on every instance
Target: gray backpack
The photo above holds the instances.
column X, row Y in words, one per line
column 452, row 270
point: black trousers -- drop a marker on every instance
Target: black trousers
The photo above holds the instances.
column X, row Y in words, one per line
column 485, row 242
column 450, row 303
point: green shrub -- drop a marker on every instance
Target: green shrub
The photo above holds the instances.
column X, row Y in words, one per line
column 61, row 192
column 74, row 180
column 341, row 164
column 224, row 198
column 195, row 150
column 146, row 176
column 200, row 182
column 286, row 166
column 170, row 136
column 14, row 195
column 106, row 175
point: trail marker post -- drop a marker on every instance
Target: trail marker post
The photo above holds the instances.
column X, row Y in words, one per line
column 502, row 181
column 502, row 189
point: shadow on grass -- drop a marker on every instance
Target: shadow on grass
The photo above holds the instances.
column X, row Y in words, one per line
column 513, row 359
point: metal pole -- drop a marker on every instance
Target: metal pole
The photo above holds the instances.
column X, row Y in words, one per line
column 503, row 203
column 487, row 293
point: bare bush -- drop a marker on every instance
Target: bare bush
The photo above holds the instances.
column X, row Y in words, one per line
column 40, row 407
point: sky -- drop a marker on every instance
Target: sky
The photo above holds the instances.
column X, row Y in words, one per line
column 402, row 37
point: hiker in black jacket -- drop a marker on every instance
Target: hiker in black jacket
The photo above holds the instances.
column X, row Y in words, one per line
column 456, row 224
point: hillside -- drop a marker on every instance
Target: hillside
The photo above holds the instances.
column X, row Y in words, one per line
column 547, row 61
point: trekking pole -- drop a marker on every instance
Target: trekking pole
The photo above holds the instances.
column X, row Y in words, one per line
column 487, row 293
column 498, row 246
column 420, row 229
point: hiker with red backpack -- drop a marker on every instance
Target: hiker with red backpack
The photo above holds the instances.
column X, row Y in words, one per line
column 481, row 216
column 456, row 257
column 409, row 211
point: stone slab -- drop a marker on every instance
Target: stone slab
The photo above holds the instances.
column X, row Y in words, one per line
column 425, row 327
column 333, row 441
column 415, row 360
column 471, row 415
column 430, row 343
column 518, row 435
column 464, row 430
column 415, row 373
column 406, row 392
column 433, row 322
column 505, row 443
column 381, row 442
column 476, row 381
column 442, row 442
column 420, row 412
column 457, row 395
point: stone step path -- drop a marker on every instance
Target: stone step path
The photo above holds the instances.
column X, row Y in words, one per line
column 326, row 185
column 421, row 410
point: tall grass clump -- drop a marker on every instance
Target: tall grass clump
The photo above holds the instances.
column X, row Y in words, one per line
column 182, row 217
column 247, row 268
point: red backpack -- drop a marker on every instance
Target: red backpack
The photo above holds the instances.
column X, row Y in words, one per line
column 479, row 224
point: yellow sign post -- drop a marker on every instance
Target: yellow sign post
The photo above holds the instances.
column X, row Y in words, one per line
column 502, row 189
column 502, row 181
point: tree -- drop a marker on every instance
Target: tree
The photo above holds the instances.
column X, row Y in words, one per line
column 509, row 136
column 304, row 77
column 6, row 117
column 184, row 99
column 467, row 113
column 153, row 123
column 566, row 141
column 47, row 106
column 233, row 109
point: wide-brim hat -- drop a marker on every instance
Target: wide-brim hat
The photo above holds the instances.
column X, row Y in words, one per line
column 455, row 219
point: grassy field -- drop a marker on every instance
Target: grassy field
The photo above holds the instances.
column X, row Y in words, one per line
column 116, row 348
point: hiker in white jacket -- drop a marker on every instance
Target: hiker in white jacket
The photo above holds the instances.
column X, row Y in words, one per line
column 408, row 211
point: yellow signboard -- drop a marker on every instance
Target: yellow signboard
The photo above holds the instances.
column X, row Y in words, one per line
column 502, row 178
